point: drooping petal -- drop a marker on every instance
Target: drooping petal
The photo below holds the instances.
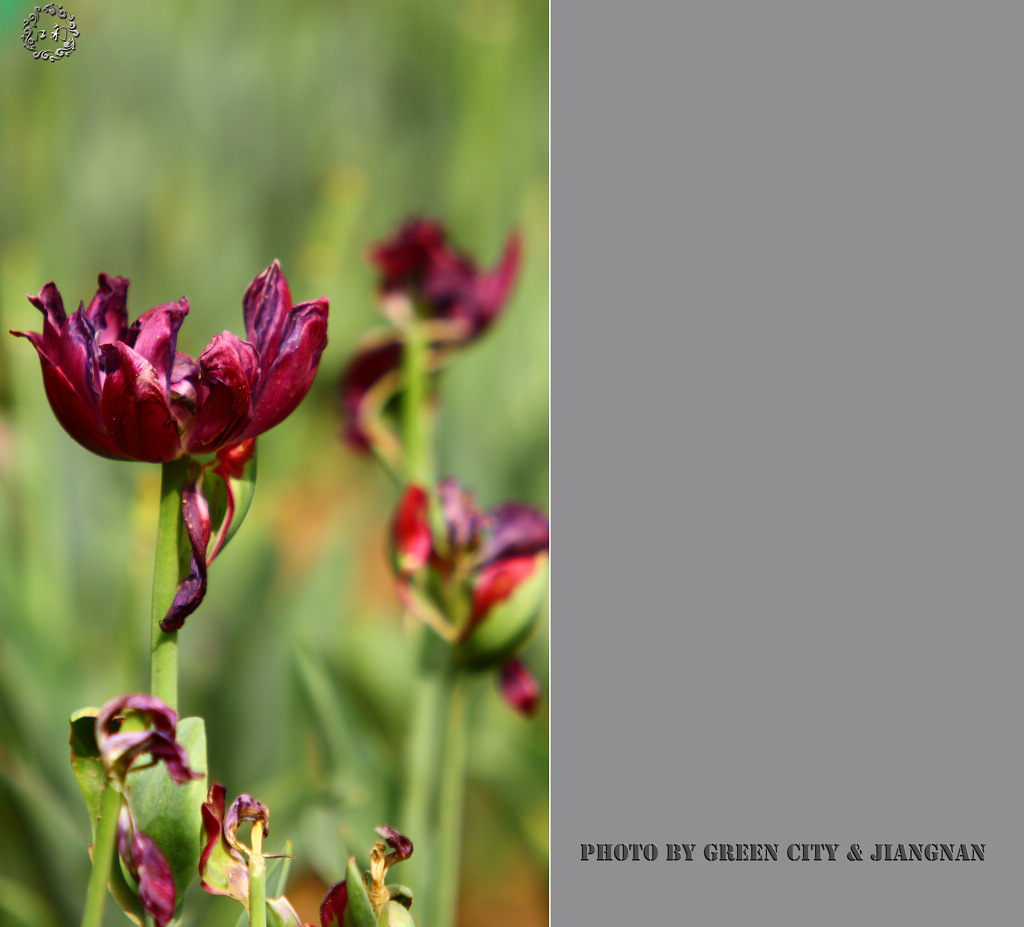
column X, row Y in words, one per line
column 411, row 540
column 398, row 842
column 332, row 909
column 156, row 884
column 517, row 531
column 196, row 514
column 107, row 312
column 519, row 687
column 361, row 402
column 135, row 408
column 286, row 377
column 229, row 370
column 154, row 336
column 265, row 307
column 119, row 748
column 244, row 808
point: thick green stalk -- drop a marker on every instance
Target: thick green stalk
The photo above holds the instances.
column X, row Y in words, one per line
column 166, row 573
column 435, row 784
column 102, row 856
column 257, row 879
column 451, row 803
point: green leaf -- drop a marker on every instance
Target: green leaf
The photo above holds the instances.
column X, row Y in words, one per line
column 358, row 911
column 222, row 493
column 171, row 814
column 278, row 869
column 280, row 913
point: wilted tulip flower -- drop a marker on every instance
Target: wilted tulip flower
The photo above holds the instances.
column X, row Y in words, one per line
column 479, row 579
column 225, row 863
column 125, row 391
column 361, row 898
column 421, row 276
column 119, row 749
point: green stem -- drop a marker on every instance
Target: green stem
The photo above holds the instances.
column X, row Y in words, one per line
column 102, row 856
column 166, row 573
column 257, row 879
column 435, row 784
column 414, row 411
column 452, row 799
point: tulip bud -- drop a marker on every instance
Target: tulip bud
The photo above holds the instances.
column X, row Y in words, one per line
column 508, row 597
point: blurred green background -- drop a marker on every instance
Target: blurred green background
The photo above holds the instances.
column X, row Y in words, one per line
column 185, row 145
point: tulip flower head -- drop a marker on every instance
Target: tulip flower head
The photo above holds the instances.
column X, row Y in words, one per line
column 478, row 578
column 368, row 892
column 125, row 391
column 119, row 749
column 226, row 863
column 422, row 277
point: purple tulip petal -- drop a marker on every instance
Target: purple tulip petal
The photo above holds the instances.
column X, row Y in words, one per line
column 119, row 749
column 229, row 371
column 49, row 303
column 518, row 531
column 196, row 514
column 79, row 358
column 464, row 520
column 76, row 416
column 168, row 751
column 332, row 909
column 154, row 336
column 156, row 884
column 290, row 373
column 136, row 412
column 107, row 313
column 519, row 687
column 265, row 308
column 401, row 844
column 244, row 808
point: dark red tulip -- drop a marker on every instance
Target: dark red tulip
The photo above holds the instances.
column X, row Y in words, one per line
column 223, row 866
column 126, row 392
column 458, row 300
column 494, row 561
column 418, row 261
